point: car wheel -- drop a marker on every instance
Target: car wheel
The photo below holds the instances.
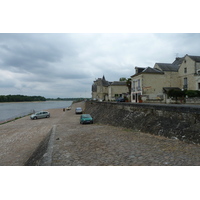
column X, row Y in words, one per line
column 35, row 118
column 47, row 116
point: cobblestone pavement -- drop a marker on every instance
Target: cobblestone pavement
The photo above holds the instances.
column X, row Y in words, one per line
column 101, row 145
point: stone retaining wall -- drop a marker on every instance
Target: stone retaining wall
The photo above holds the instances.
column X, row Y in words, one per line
column 172, row 121
column 194, row 100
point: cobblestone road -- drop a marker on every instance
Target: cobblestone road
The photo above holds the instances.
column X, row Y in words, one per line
column 101, row 145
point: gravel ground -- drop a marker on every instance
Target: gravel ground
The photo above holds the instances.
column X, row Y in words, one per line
column 102, row 145
column 20, row 138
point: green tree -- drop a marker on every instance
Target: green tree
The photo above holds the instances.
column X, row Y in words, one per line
column 18, row 98
column 122, row 79
column 128, row 83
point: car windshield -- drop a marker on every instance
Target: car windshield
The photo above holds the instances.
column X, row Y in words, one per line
column 86, row 116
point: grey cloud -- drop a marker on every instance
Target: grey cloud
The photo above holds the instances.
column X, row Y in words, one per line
column 32, row 51
column 67, row 64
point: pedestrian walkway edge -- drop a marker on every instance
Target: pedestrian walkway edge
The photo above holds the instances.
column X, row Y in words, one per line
column 38, row 154
column 46, row 160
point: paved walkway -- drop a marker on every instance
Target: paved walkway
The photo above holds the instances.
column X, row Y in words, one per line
column 74, row 144
column 20, row 138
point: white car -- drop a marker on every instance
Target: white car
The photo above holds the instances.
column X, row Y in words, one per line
column 39, row 115
column 78, row 110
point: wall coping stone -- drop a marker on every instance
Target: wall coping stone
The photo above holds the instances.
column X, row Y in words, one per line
column 184, row 108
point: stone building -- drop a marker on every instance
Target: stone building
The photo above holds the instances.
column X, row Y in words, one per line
column 189, row 73
column 100, row 89
column 104, row 90
column 151, row 84
column 117, row 89
column 146, row 85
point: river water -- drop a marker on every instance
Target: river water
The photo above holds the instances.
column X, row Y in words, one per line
column 13, row 110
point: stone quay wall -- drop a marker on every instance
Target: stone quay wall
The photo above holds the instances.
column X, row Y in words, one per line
column 173, row 121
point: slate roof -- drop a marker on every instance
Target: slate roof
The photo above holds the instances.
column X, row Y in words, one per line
column 168, row 67
column 178, row 61
column 173, row 67
column 105, row 83
column 152, row 70
column 118, row 83
column 139, row 69
column 195, row 58
column 100, row 82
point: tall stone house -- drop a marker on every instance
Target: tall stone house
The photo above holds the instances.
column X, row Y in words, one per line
column 108, row 91
column 152, row 84
column 189, row 73
column 100, row 89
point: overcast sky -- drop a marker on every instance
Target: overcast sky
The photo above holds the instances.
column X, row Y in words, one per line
column 66, row 64
column 74, row 51
column 58, row 48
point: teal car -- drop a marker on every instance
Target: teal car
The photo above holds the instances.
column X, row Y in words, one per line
column 86, row 119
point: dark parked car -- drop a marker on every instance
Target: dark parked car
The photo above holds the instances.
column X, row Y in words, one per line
column 86, row 119
column 78, row 110
column 120, row 99
column 39, row 115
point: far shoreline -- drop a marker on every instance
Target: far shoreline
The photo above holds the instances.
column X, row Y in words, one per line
column 35, row 101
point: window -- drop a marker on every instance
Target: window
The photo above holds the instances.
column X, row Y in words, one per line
column 138, row 88
column 139, row 83
column 185, row 83
column 198, row 86
column 133, row 86
column 185, row 70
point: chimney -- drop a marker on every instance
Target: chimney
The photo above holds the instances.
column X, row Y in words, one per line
column 136, row 70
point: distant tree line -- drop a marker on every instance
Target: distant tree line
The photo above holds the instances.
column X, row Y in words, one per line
column 19, row 98
column 66, row 99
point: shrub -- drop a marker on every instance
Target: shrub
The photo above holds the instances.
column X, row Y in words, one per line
column 192, row 93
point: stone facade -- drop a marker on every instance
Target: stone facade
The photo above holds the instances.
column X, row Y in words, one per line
column 189, row 73
column 100, row 89
column 103, row 90
column 144, row 85
column 117, row 89
column 149, row 84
